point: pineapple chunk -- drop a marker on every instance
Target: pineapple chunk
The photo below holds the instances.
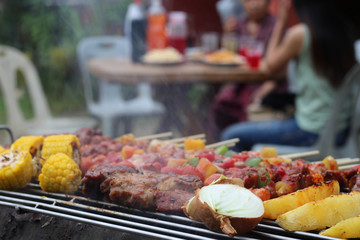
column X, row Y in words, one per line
column 318, row 215
column 348, row 228
column 277, row 206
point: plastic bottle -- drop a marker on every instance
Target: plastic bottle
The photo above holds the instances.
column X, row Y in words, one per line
column 177, row 31
column 135, row 30
column 156, row 35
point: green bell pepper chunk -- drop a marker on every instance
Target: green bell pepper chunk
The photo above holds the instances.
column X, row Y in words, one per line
column 230, row 153
column 221, row 150
column 193, row 162
column 263, row 177
column 253, row 162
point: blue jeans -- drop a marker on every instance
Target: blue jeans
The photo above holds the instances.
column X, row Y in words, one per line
column 285, row 132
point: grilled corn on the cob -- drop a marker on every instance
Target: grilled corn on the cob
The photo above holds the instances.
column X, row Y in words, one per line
column 33, row 145
column 15, row 169
column 68, row 144
column 60, row 174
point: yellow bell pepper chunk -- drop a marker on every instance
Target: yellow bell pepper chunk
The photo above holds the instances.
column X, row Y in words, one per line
column 206, row 167
column 194, row 144
column 268, row 152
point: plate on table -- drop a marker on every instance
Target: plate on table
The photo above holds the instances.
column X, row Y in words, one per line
column 195, row 56
column 224, row 58
column 237, row 61
column 163, row 57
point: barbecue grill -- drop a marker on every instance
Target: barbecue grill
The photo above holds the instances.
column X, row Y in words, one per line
column 155, row 225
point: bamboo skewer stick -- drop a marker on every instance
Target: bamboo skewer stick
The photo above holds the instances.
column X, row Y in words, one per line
column 300, row 155
column 155, row 136
column 182, row 139
column 346, row 167
column 347, row 161
column 229, row 143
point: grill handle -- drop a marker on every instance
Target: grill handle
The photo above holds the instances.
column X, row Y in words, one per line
column 6, row 128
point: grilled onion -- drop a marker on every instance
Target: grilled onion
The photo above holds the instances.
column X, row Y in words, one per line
column 226, row 208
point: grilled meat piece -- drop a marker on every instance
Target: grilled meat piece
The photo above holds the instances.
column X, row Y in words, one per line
column 354, row 183
column 134, row 190
column 93, row 178
column 139, row 190
column 342, row 177
column 171, row 201
column 125, row 185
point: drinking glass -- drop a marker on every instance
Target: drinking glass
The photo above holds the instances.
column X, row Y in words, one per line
column 229, row 42
column 243, row 45
column 209, row 42
column 254, row 53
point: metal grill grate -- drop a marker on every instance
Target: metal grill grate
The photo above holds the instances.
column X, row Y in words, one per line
column 150, row 224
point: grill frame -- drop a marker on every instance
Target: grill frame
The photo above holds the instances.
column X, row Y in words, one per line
column 157, row 225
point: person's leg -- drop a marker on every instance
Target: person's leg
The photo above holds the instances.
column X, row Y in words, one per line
column 273, row 132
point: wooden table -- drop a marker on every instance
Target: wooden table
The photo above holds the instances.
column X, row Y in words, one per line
column 178, row 80
column 124, row 71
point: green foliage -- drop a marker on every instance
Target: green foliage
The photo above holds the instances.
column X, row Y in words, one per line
column 48, row 34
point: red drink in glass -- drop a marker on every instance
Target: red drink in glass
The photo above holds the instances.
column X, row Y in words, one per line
column 242, row 51
column 179, row 43
column 254, row 60
column 254, row 54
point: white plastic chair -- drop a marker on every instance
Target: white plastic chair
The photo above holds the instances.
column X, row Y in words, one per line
column 12, row 61
column 325, row 143
column 111, row 107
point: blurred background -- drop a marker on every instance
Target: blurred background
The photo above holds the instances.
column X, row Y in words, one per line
column 48, row 31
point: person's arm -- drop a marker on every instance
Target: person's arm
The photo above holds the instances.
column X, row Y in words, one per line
column 281, row 50
column 230, row 25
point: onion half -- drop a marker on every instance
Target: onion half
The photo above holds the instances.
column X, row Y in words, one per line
column 226, row 208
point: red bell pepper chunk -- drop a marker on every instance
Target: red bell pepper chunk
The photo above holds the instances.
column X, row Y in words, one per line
column 240, row 157
column 208, row 156
column 212, row 178
column 228, row 163
column 206, row 167
column 190, row 170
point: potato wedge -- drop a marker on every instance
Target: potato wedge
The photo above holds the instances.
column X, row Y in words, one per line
column 320, row 214
column 348, row 228
column 277, row 206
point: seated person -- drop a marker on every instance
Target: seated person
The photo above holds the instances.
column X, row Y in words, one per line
column 320, row 68
column 231, row 103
